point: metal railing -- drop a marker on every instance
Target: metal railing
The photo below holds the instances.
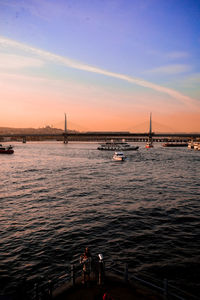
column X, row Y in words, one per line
column 162, row 286
column 42, row 289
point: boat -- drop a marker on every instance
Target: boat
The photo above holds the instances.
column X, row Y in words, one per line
column 175, row 144
column 6, row 150
column 191, row 144
column 194, row 145
column 119, row 156
column 116, row 281
column 149, row 143
column 197, row 146
column 117, row 146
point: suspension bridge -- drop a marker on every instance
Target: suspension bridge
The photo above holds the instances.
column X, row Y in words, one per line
column 67, row 135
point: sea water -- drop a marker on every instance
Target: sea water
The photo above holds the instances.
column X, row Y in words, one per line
column 56, row 199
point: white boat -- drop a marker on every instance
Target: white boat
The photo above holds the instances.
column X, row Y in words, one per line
column 196, row 146
column 191, row 145
column 119, row 156
column 117, row 146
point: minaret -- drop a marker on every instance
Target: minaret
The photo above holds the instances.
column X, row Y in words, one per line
column 65, row 131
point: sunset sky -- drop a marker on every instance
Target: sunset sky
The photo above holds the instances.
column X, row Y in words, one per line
column 105, row 63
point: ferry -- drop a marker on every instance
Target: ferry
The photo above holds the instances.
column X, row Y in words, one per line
column 6, row 150
column 117, row 146
column 119, row 156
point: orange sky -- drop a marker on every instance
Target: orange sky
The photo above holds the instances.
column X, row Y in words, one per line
column 36, row 91
column 106, row 64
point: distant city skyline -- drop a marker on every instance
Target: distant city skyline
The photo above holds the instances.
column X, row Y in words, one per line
column 107, row 64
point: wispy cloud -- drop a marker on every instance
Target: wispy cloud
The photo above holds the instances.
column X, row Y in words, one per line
column 171, row 69
column 12, row 61
column 48, row 56
column 191, row 82
column 177, row 54
column 173, row 55
column 43, row 9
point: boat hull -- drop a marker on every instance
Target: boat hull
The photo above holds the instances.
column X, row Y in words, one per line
column 7, row 151
column 119, row 158
column 175, row 145
column 117, row 148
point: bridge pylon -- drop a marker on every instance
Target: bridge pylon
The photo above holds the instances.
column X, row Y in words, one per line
column 65, row 140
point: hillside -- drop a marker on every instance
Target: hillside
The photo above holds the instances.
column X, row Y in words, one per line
column 44, row 130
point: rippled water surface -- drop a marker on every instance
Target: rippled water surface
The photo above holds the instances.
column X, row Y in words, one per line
column 55, row 199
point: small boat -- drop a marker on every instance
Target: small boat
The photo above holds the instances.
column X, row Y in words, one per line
column 119, row 156
column 149, row 144
column 117, row 146
column 191, row 144
column 6, row 150
column 197, row 146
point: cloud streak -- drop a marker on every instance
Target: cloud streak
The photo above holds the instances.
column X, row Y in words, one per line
column 48, row 56
column 177, row 54
column 11, row 61
column 170, row 69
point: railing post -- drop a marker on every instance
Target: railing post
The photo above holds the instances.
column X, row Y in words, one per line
column 101, row 270
column 36, row 290
column 126, row 273
column 165, row 282
column 50, row 289
column 72, row 275
column 23, row 289
column 101, row 273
